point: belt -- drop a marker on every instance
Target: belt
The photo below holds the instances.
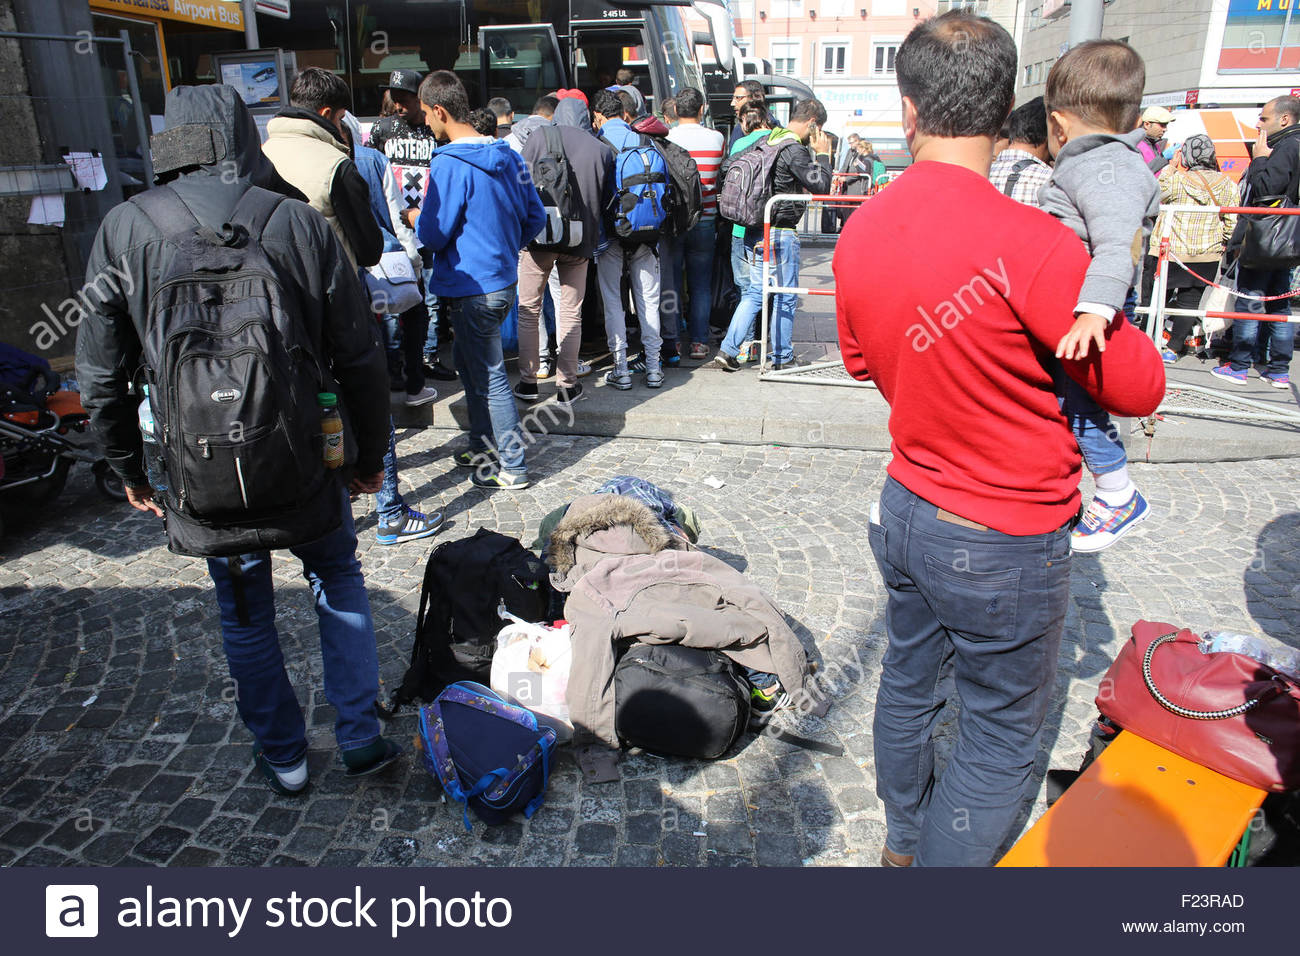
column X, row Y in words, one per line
column 951, row 518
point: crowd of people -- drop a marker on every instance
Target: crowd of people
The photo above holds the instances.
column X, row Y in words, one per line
column 996, row 399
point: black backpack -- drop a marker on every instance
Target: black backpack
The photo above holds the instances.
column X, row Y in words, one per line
column 677, row 700
column 233, row 374
column 553, row 177
column 465, row 582
column 685, row 192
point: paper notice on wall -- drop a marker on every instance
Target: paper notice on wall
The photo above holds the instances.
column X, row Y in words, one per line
column 46, row 210
column 89, row 170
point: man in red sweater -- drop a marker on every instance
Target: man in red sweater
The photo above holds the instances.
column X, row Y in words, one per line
column 956, row 321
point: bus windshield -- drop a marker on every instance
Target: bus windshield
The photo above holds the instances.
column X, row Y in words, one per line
column 677, row 41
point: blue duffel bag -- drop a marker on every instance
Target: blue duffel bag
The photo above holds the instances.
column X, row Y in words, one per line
column 488, row 754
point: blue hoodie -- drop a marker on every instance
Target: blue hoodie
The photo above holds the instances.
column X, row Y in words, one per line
column 480, row 209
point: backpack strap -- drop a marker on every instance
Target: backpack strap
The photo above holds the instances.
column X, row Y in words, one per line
column 168, row 212
column 554, row 142
column 255, row 209
column 1016, row 172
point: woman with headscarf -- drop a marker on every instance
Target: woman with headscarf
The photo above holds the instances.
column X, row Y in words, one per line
column 1197, row 239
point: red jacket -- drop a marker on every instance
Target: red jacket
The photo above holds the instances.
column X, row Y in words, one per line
column 952, row 298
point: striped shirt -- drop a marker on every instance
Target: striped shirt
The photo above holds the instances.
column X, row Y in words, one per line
column 706, row 148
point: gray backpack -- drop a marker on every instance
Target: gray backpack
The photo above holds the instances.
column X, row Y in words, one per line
column 747, row 183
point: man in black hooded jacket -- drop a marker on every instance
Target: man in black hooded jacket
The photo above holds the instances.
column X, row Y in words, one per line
column 1274, row 171
column 209, row 158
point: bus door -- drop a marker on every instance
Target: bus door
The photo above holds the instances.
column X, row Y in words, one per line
column 600, row 51
column 521, row 62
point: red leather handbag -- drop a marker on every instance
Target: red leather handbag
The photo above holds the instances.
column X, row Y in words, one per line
column 1227, row 712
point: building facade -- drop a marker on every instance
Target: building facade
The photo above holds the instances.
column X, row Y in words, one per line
column 845, row 50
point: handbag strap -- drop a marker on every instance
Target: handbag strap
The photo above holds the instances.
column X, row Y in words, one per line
column 1169, row 705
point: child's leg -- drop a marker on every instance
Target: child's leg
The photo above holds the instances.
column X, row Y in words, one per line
column 1099, row 443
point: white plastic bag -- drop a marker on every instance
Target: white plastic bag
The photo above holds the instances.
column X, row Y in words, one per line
column 530, row 667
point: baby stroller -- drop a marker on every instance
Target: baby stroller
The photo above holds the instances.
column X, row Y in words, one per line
column 40, row 423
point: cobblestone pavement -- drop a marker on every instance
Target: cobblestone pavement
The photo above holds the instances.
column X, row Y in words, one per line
column 119, row 744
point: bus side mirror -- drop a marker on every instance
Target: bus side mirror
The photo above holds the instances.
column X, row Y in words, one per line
column 720, row 35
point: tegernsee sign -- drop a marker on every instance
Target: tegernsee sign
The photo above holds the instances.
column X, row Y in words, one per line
column 224, row 14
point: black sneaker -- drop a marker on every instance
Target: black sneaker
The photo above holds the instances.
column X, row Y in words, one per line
column 567, row 396
column 472, row 459
column 637, row 364
column 499, row 479
column 725, row 362
column 439, row 372
column 410, row 526
column 527, row 392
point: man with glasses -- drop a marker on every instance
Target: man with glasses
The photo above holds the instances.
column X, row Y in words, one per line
column 1156, row 122
column 747, row 93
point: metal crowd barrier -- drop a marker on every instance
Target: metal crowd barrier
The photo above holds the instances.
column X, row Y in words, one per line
column 1201, row 400
column 816, row 373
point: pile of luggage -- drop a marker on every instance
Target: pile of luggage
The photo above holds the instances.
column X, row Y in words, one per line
column 622, row 633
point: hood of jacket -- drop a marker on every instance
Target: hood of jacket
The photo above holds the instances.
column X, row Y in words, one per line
column 573, row 112
column 493, row 157
column 1093, row 141
column 521, row 130
column 206, row 129
column 651, row 126
column 600, row 526
column 296, row 121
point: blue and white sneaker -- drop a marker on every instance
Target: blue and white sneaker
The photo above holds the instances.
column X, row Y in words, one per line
column 1230, row 375
column 1101, row 525
column 408, row 527
column 1169, row 355
column 1282, row 380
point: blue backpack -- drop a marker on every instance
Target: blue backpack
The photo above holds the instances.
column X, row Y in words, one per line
column 487, row 753
column 641, row 183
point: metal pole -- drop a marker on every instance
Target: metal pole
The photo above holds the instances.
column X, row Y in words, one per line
column 251, row 39
column 141, row 125
column 1085, row 20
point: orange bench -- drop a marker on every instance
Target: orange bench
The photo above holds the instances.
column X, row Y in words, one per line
column 1140, row 805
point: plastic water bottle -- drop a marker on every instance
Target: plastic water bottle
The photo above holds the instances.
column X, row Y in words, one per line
column 152, row 449
column 331, row 429
column 1275, row 654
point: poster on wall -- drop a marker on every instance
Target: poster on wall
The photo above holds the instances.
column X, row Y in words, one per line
column 1260, row 36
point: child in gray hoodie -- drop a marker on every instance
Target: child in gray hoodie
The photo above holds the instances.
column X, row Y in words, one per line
column 1102, row 189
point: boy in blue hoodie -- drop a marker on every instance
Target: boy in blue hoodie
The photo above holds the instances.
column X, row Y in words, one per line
column 480, row 210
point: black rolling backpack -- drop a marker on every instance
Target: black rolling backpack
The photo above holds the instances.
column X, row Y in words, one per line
column 465, row 582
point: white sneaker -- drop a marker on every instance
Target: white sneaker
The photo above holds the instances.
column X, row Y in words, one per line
column 583, row 369
column 545, row 369
column 622, row 380
column 654, row 378
column 423, row 397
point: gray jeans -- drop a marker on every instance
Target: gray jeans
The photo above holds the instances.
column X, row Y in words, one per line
column 983, row 611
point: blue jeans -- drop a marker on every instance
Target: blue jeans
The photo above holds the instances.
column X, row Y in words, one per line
column 1099, row 440
column 493, row 416
column 1246, row 332
column 433, row 306
column 742, row 251
column 690, row 257
column 984, row 611
column 265, row 698
column 785, row 271
column 388, row 502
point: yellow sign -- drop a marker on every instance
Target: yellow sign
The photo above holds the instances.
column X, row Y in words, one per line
column 224, row 14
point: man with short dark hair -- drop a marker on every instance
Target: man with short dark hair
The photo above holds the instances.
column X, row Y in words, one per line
column 481, row 210
column 956, row 322
column 689, row 258
column 504, row 113
column 747, row 93
column 1021, row 170
column 305, row 142
column 408, row 143
column 641, row 261
column 1274, row 171
column 797, row 169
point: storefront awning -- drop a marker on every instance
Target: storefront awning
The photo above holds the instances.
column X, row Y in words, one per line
column 223, row 14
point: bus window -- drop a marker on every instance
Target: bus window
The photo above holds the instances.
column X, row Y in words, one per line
column 677, row 42
column 522, row 63
column 602, row 53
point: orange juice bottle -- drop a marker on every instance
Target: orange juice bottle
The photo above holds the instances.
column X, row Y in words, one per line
column 331, row 428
